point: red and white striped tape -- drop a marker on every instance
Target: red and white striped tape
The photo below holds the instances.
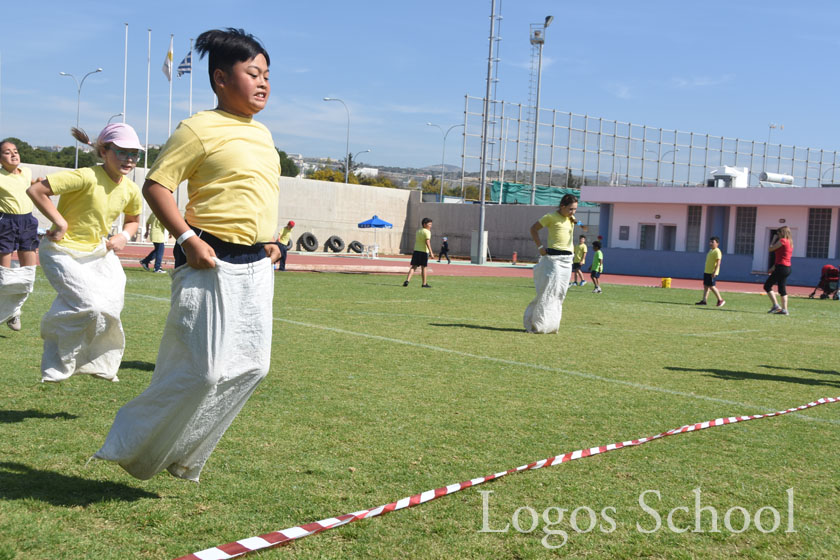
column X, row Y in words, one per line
column 279, row 538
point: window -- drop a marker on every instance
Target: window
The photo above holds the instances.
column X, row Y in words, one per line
column 692, row 228
column 745, row 230
column 819, row 227
column 669, row 238
column 647, row 237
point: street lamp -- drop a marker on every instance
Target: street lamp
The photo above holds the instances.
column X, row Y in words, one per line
column 443, row 155
column 347, row 149
column 78, row 102
column 114, row 117
column 358, row 154
column 673, row 162
column 612, row 170
column 537, row 38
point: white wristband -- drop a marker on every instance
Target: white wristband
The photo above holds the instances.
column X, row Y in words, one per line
column 539, row 247
column 126, row 235
column 184, row 236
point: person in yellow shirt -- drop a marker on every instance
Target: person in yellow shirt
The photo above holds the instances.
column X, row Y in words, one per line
column 284, row 240
column 578, row 262
column 552, row 272
column 18, row 232
column 422, row 251
column 711, row 271
column 216, row 345
column 156, row 233
column 82, row 331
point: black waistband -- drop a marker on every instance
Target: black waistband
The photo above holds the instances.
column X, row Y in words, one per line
column 233, row 253
column 557, row 252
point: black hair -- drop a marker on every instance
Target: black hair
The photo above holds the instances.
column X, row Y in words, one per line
column 596, row 245
column 426, row 221
column 224, row 48
column 7, row 141
column 582, row 237
column 715, row 238
column 568, row 200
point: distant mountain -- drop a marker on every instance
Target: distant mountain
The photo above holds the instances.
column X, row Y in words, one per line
column 448, row 168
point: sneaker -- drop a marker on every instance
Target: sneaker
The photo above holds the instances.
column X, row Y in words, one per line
column 425, row 286
column 145, row 265
column 405, row 283
column 596, row 291
column 14, row 323
column 160, row 271
column 701, row 302
column 583, row 283
column 721, row 303
column 774, row 309
column 781, row 311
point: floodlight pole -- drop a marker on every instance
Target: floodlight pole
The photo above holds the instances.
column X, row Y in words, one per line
column 79, row 102
column 481, row 257
column 537, row 38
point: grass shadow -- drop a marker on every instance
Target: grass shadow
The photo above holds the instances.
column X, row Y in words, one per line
column 19, row 482
column 12, row 416
column 748, row 375
column 809, row 370
column 482, row 327
column 143, row 366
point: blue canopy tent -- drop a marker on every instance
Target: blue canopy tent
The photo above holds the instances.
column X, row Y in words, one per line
column 375, row 223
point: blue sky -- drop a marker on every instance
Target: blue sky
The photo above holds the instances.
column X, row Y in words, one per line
column 721, row 67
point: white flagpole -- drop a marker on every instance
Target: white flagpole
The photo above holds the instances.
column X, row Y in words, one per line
column 191, row 73
column 125, row 72
column 146, row 152
column 171, row 71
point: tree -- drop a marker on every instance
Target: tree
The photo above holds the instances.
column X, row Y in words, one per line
column 431, row 185
column 412, row 184
column 333, row 175
column 288, row 168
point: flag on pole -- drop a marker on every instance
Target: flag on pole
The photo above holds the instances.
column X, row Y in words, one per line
column 186, row 65
column 167, row 63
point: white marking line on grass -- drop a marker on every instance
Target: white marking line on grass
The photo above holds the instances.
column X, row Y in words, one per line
column 589, row 376
column 719, row 333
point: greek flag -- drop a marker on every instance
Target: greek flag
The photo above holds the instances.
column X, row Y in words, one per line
column 186, row 65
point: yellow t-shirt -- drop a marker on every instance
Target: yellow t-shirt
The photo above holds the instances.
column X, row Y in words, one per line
column 157, row 233
column 90, row 202
column 233, row 173
column 423, row 234
column 13, row 197
column 285, row 236
column 711, row 258
column 580, row 253
column 560, row 229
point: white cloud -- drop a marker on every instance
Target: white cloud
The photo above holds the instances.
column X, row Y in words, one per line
column 701, row 81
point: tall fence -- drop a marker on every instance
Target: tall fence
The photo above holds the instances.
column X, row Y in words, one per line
column 575, row 149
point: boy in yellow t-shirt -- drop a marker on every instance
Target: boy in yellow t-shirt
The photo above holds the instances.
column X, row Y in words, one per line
column 156, row 233
column 284, row 241
column 578, row 261
column 710, row 272
column 422, row 252
column 216, row 346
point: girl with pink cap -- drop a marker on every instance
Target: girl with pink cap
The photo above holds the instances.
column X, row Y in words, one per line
column 82, row 331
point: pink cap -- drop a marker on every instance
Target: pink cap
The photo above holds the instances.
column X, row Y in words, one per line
column 121, row 135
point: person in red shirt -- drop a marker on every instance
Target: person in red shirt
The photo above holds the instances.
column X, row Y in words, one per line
column 782, row 249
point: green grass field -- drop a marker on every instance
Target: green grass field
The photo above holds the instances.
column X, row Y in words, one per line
column 377, row 392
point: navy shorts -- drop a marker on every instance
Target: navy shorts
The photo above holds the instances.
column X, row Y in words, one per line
column 419, row 258
column 594, row 274
column 18, row 232
column 575, row 267
column 233, row 253
column 708, row 279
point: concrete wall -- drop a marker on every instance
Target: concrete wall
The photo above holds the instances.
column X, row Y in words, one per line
column 325, row 208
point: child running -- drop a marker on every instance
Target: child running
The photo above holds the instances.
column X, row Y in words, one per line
column 216, row 345
column 82, row 330
column 711, row 271
column 577, row 262
column 597, row 266
column 18, row 232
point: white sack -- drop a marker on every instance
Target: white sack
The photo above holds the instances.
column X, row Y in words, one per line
column 551, row 279
column 82, row 331
column 15, row 286
column 215, row 350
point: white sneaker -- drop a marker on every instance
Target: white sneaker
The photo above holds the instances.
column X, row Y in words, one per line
column 14, row 323
column 583, row 283
column 596, row 291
